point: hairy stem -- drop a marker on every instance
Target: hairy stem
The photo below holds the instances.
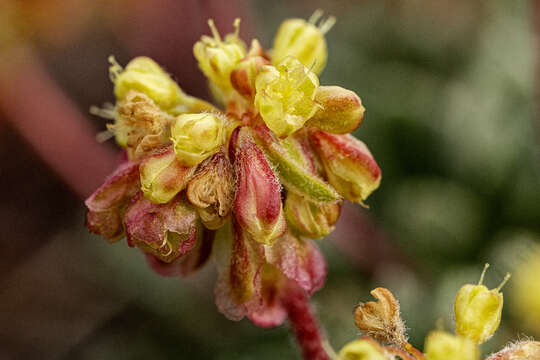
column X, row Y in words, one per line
column 305, row 326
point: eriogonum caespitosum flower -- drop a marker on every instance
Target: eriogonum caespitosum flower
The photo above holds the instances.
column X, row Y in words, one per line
column 250, row 184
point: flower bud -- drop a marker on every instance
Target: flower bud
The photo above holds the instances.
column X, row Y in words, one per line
column 441, row 345
column 341, row 110
column 523, row 350
column 310, row 219
column 197, row 137
column 478, row 310
column 218, row 58
column 349, row 166
column 295, row 166
column 285, row 96
column 162, row 176
column 381, row 319
column 212, row 191
column 107, row 204
column 166, row 231
column 362, row 349
column 145, row 75
column 303, row 40
column 244, row 74
column 257, row 206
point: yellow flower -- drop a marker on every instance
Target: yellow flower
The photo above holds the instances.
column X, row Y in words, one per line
column 304, row 41
column 478, row 310
column 285, row 96
column 441, row 345
column 362, row 349
column 217, row 58
column 196, row 137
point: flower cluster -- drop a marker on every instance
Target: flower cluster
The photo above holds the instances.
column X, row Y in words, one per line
column 250, row 183
column 477, row 313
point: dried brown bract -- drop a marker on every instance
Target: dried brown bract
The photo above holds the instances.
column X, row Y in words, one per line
column 381, row 319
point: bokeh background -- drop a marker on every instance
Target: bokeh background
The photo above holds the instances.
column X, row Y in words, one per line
column 451, row 91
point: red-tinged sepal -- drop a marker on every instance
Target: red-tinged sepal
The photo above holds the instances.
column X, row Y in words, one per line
column 257, row 206
column 166, row 231
column 272, row 312
column 107, row 204
column 163, row 176
column 238, row 260
column 349, row 165
column 299, row 260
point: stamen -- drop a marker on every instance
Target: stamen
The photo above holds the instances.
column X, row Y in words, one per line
column 483, row 274
column 103, row 136
column 214, row 30
column 168, row 245
column 505, row 280
column 236, row 25
column 106, row 112
column 315, row 16
column 115, row 69
column 325, row 26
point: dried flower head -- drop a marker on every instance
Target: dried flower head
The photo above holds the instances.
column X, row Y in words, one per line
column 242, row 182
column 381, row 319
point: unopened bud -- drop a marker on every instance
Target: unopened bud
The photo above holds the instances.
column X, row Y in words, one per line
column 145, row 75
column 285, row 96
column 341, row 110
column 257, row 206
column 310, row 219
column 162, row 176
column 166, row 231
column 441, row 345
column 217, row 57
column 523, row 350
column 362, row 349
column 244, row 74
column 478, row 310
column 197, row 137
column 212, row 191
column 349, row 165
column 381, row 319
column 303, row 40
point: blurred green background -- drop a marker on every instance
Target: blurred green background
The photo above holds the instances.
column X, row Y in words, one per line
column 450, row 89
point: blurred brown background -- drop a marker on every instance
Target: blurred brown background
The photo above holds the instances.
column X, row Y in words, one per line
column 451, row 93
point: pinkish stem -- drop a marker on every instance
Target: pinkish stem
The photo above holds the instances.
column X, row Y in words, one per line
column 305, row 326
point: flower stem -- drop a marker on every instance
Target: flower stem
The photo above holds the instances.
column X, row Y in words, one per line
column 305, row 325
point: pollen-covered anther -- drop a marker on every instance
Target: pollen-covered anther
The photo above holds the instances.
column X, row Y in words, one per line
column 303, row 40
column 197, row 136
column 381, row 319
column 285, row 96
column 212, row 191
column 340, row 110
column 217, row 57
column 478, row 310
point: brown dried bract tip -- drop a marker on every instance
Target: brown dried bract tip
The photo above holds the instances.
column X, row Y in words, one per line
column 381, row 319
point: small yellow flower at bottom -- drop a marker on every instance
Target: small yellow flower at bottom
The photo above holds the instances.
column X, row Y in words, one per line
column 441, row 345
column 362, row 349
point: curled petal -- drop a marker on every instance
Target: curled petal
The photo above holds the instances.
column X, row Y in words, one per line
column 162, row 176
column 167, row 231
column 212, row 191
column 295, row 167
column 106, row 205
column 257, row 205
column 310, row 219
column 349, row 166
